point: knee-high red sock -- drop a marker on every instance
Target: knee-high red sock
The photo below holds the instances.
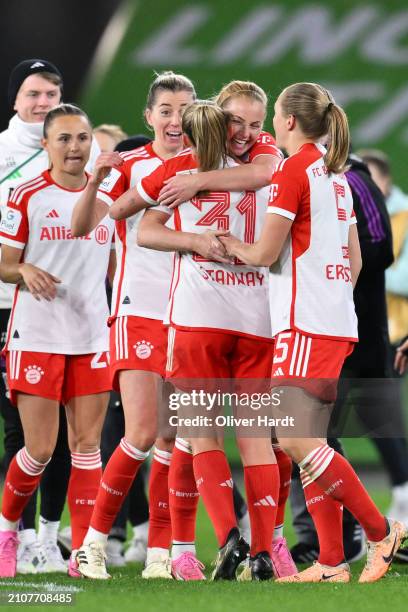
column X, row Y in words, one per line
column 84, row 481
column 327, row 515
column 262, row 490
column 159, row 512
column 22, row 479
column 117, row 477
column 285, row 475
column 336, row 477
column 183, row 494
column 214, row 483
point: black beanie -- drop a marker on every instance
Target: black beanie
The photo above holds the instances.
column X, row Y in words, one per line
column 25, row 69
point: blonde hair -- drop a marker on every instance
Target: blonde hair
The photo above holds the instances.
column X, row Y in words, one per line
column 168, row 81
column 114, row 131
column 318, row 115
column 206, row 125
column 246, row 89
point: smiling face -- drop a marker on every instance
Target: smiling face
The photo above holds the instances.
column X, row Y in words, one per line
column 68, row 143
column 165, row 119
column 247, row 117
column 35, row 98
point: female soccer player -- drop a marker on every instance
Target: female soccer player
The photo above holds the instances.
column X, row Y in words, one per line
column 57, row 346
column 203, row 342
column 138, row 336
column 310, row 232
column 247, row 143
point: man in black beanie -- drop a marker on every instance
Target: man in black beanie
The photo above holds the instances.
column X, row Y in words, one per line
column 35, row 87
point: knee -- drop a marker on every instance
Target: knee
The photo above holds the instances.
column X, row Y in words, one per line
column 40, row 452
column 141, row 440
column 84, row 443
column 165, row 444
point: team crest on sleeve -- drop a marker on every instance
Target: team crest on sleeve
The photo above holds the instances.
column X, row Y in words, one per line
column 273, row 192
column 10, row 220
column 110, row 181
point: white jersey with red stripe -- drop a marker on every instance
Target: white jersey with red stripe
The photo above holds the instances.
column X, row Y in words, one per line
column 311, row 286
column 37, row 220
column 208, row 295
column 142, row 280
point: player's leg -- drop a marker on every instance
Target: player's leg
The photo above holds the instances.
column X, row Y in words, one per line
column 39, row 417
column 53, row 487
column 139, row 391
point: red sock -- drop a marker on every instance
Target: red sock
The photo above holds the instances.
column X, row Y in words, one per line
column 84, row 481
column 327, row 515
column 117, row 478
column 159, row 512
column 183, row 494
column 262, row 490
column 336, row 477
column 22, row 479
column 214, row 484
column 285, row 475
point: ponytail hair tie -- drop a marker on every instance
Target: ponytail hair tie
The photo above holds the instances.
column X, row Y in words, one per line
column 329, row 106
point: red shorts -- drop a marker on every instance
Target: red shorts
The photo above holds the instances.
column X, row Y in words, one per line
column 298, row 356
column 137, row 343
column 57, row 377
column 217, row 355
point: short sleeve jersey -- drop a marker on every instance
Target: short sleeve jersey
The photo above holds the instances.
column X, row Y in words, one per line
column 311, row 286
column 264, row 145
column 207, row 295
column 37, row 220
column 142, row 280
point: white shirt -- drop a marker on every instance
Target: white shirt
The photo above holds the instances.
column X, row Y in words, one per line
column 38, row 219
column 311, row 286
column 18, row 143
column 207, row 295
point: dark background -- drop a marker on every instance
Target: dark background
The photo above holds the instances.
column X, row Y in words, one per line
column 65, row 32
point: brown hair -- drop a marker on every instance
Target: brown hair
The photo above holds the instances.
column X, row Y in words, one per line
column 51, row 77
column 241, row 88
column 377, row 158
column 318, row 115
column 168, row 81
column 63, row 110
column 206, row 125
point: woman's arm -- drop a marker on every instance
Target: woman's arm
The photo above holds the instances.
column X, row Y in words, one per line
column 250, row 177
column 127, row 205
column 354, row 253
column 154, row 234
column 89, row 210
column 40, row 284
column 266, row 250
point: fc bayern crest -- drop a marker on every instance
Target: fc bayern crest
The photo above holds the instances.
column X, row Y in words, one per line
column 143, row 349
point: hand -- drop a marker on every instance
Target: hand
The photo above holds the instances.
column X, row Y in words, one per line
column 401, row 358
column 103, row 166
column 179, row 189
column 209, row 246
column 40, row 284
column 230, row 243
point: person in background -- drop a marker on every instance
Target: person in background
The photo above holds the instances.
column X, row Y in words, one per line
column 108, row 136
column 396, row 284
column 35, row 87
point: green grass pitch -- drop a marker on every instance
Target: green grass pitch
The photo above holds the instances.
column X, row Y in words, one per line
column 127, row 591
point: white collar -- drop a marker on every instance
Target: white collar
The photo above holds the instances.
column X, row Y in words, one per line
column 27, row 134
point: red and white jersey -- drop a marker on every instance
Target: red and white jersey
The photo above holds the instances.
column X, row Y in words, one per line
column 264, row 145
column 311, row 286
column 208, row 295
column 141, row 285
column 37, row 220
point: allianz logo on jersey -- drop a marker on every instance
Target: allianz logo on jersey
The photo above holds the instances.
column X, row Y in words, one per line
column 61, row 232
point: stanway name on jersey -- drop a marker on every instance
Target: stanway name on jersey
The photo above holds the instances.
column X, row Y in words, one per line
column 224, row 277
